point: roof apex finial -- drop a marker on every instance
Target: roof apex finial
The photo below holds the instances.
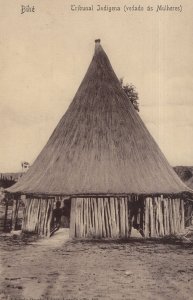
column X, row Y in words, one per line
column 97, row 45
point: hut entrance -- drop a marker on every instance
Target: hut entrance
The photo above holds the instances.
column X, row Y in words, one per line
column 136, row 209
column 65, row 219
column 60, row 216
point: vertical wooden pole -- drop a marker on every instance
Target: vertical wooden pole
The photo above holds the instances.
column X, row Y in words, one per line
column 81, row 217
column 78, row 217
column 126, row 218
column 72, row 218
column 112, row 210
column 24, row 217
column 151, row 217
column 122, row 214
column 108, row 232
column 100, row 230
column 116, row 200
column 109, row 218
column 92, row 217
column 183, row 221
column 166, row 232
column 178, row 214
column 95, row 213
column 147, row 221
column 156, row 200
column 161, row 218
column 129, row 214
column 6, row 211
column 15, row 213
column 50, row 215
column 171, row 217
column 174, row 214
column 89, row 230
column 104, row 233
column 84, row 200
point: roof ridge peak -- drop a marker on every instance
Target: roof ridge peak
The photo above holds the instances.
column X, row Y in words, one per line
column 98, row 46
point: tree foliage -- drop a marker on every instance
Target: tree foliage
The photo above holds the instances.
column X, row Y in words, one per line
column 131, row 93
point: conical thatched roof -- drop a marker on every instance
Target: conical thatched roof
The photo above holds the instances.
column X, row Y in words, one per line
column 100, row 146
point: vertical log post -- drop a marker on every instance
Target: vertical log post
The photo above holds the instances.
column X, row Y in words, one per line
column 6, row 211
column 15, row 210
column 147, row 229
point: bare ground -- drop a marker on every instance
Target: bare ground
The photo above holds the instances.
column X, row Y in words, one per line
column 75, row 270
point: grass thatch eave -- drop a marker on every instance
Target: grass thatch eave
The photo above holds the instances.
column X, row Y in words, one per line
column 45, row 196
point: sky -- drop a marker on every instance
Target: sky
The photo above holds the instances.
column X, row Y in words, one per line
column 45, row 54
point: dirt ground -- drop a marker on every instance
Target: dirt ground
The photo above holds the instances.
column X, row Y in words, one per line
column 75, row 270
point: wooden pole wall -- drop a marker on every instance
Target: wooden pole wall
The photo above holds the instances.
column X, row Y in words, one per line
column 109, row 217
column 15, row 210
column 163, row 216
column 6, row 211
column 99, row 217
column 113, row 217
column 37, row 215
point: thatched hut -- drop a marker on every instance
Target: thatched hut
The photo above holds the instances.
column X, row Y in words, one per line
column 102, row 157
column 188, row 205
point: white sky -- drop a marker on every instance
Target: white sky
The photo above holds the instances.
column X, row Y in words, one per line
column 44, row 56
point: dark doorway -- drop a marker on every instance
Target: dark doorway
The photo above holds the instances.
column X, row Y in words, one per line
column 65, row 220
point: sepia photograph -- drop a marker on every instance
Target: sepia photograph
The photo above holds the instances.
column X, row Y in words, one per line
column 96, row 151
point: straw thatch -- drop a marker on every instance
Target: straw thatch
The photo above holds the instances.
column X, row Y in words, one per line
column 100, row 146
